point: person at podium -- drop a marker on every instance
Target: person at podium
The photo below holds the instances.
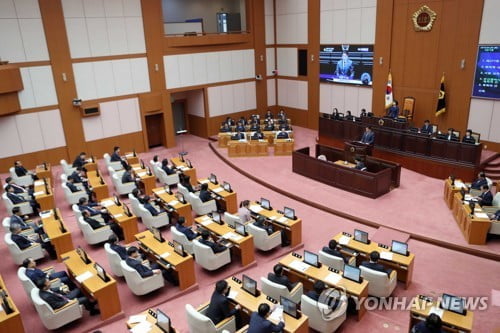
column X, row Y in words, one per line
column 468, row 138
column 360, row 165
column 368, row 137
column 427, row 128
column 393, row 111
column 257, row 135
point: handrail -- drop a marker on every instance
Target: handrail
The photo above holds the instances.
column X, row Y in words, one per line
column 488, row 160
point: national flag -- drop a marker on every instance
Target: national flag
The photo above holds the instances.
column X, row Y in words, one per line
column 388, row 92
column 441, row 104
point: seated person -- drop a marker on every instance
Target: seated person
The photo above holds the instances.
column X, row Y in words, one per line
column 285, row 126
column 80, row 160
column 479, row 182
column 144, row 268
column 427, row 128
column 138, row 195
column 363, row 113
column 94, row 209
column 17, row 217
column 240, row 127
column 360, row 165
column 258, row 135
column 70, row 183
column 348, row 115
column 496, row 216
column 58, row 299
column 206, row 240
column 154, row 209
column 259, row 323
column 332, row 299
column 254, row 126
column 35, row 273
column 115, row 156
column 23, row 241
column 127, row 176
column 261, row 223
column 78, row 175
column 486, row 197
column 336, row 114
column 225, row 128
column 244, row 212
column 18, row 198
column 229, row 121
column 238, row 136
column 368, row 137
column 393, row 111
column 281, row 115
column 332, row 250
column 373, row 263
column 18, row 189
column 269, row 125
column 432, row 324
column 113, row 244
column 468, row 138
column 165, row 167
column 186, row 182
column 219, row 309
column 243, row 121
column 450, row 136
column 190, row 234
column 280, row 278
column 21, row 171
column 269, row 115
column 282, row 134
column 205, row 194
column 96, row 223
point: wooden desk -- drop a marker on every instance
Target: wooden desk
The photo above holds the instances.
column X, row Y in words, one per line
column 131, row 158
column 452, row 322
column 44, row 199
column 152, row 320
column 101, row 190
column 283, row 146
column 180, row 209
column 293, row 228
column 229, row 201
column 11, row 322
column 42, row 173
column 127, row 223
column 191, row 172
column 402, row 264
column 61, row 241
column 474, row 229
column 313, row 274
column 236, row 148
column 105, row 293
column 449, row 190
column 250, row 304
column 223, row 138
column 345, row 164
column 90, row 165
column 148, row 181
column 183, row 266
column 243, row 245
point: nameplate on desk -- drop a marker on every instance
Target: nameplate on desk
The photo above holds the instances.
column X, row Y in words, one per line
column 299, row 265
column 256, row 208
column 142, row 174
column 333, row 278
column 173, row 202
column 117, row 216
column 107, row 203
column 39, row 183
column 386, row 255
column 84, row 276
column 164, row 255
column 344, row 240
column 38, row 193
column 481, row 215
column 44, row 215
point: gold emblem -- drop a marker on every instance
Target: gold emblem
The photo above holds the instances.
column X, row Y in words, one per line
column 423, row 19
column 352, row 149
column 381, row 122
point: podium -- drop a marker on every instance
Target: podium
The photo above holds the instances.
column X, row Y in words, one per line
column 353, row 149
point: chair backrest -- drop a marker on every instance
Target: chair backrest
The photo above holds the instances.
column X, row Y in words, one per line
column 76, row 211
column 107, row 158
column 316, row 311
column 42, row 307
column 6, row 223
column 144, row 212
column 231, row 219
column 114, row 260
column 496, row 200
column 275, row 290
column 28, row 285
column 259, row 234
column 64, row 178
column 476, row 136
column 375, row 278
column 331, row 261
column 179, row 236
column 408, row 107
column 198, row 322
column 183, row 190
column 131, row 275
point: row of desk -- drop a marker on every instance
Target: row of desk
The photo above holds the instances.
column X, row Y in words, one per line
column 250, row 148
column 224, row 138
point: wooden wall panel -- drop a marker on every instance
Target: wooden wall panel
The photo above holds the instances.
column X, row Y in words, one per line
column 31, row 160
column 127, row 143
column 313, row 47
column 259, row 34
column 197, row 126
column 214, row 122
column 9, row 103
column 299, row 117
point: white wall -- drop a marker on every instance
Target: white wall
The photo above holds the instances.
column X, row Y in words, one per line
column 186, row 70
column 39, row 89
column 104, row 27
column 287, row 61
column 271, row 92
column 231, row 98
column 293, row 94
column 344, row 97
column 30, row 132
column 117, row 118
column 490, row 24
column 195, row 103
column 22, row 37
column 101, row 79
column 291, row 22
column 269, row 20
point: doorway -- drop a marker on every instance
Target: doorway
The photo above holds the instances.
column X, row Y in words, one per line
column 155, row 129
column 179, row 113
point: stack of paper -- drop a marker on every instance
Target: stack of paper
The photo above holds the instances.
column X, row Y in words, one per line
column 136, row 168
column 160, row 191
column 386, row 255
column 232, row 235
column 272, row 217
column 107, row 203
column 333, row 278
column 136, row 319
column 117, row 216
column 143, row 327
column 204, row 181
column 232, row 294
column 206, row 222
column 164, row 255
column 44, row 215
column 38, row 193
column 173, row 202
column 218, row 189
column 481, row 215
column 142, row 174
column 39, row 183
column 255, row 208
column 282, row 219
column 299, row 265
column 344, row 240
column 277, row 314
column 84, row 276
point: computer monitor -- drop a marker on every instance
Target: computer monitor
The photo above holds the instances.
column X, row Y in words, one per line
column 61, row 227
column 453, row 304
column 216, row 216
column 311, row 258
column 127, row 210
column 399, row 248
column 83, row 255
column 5, row 303
column 289, row 307
column 157, row 234
column 227, row 187
column 352, row 273
column 462, row 193
column 142, row 164
column 117, row 199
column 212, row 178
column 289, row 213
column 189, row 164
column 181, row 157
column 240, row 228
column 56, row 215
column 249, row 285
column 101, row 272
column 361, row 236
column 180, row 197
column 163, row 321
column 178, row 248
column 149, row 171
column 264, row 203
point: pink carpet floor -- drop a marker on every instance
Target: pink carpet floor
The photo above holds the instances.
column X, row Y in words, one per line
column 416, row 207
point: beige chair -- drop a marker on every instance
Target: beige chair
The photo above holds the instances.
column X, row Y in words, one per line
column 139, row 285
column 53, row 319
column 209, row 260
column 153, row 166
column 149, row 220
column 181, row 238
column 230, row 219
column 494, row 228
column 76, row 211
column 35, row 251
column 334, row 261
column 262, row 240
column 29, row 285
column 316, row 311
column 6, row 224
column 73, row 197
column 275, row 290
column 21, row 181
column 114, row 260
column 379, row 283
column 181, row 189
column 67, row 169
column 163, row 178
column 198, row 322
column 122, row 188
column 201, row 208
column 116, row 166
column 96, row 236
column 495, row 204
column 25, row 207
column 134, row 205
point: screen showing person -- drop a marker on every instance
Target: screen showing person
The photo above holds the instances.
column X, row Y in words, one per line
column 178, row 248
column 351, row 64
column 249, row 285
column 361, row 236
column 311, row 258
column 399, row 248
column 289, row 213
column 352, row 273
column 289, row 307
column 240, row 228
column 453, row 303
column 487, row 76
column 163, row 321
column 264, row 203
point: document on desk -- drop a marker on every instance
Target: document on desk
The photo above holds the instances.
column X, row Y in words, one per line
column 46, row 214
column 233, row 236
column 38, row 193
column 282, row 220
column 136, row 168
column 386, row 255
column 481, row 215
column 459, row 184
column 84, row 276
column 159, row 191
column 183, row 168
column 173, row 202
column 437, row 311
column 142, row 327
column 277, row 314
column 107, row 203
column 142, row 174
column 299, row 265
column 136, row 319
column 218, row 189
column 204, row 181
column 333, row 278
column 467, row 197
column 273, row 217
column 344, row 240
column 117, row 216
column 256, row 208
column 206, row 222
column 39, row 183
column 232, row 294
column 164, row 255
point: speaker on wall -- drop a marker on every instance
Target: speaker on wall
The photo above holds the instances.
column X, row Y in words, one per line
column 88, row 111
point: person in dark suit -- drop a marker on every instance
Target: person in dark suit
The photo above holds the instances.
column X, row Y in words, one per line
column 335, row 114
column 257, row 135
column 229, row 121
column 135, row 261
column 21, row 171
column 17, row 217
column 373, row 263
column 219, row 309
column 186, row 182
column 206, row 240
column 205, row 194
column 261, row 223
column 36, row 274
column 23, row 242
column 18, row 189
column 393, row 111
column 18, row 198
column 240, row 127
column 368, row 137
column 148, row 204
column 427, row 128
column 269, row 115
column 240, row 135
column 80, row 160
column 479, row 182
column 363, row 113
column 168, row 170
column 468, row 138
column 259, row 323
column 348, row 115
column 77, row 175
column 57, row 300
column 115, row 157
column 254, row 126
column 450, row 136
column 70, row 183
column 281, row 116
column 360, row 165
column 127, row 175
column 496, row 216
column 485, row 198
column 115, row 246
column 345, row 67
column 95, row 223
column 280, row 278
column 331, row 249
column 190, row 234
column 225, row 128
column 94, row 209
column 282, row 134
column 432, row 324
column 269, row 126
column 243, row 121
column 333, row 299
